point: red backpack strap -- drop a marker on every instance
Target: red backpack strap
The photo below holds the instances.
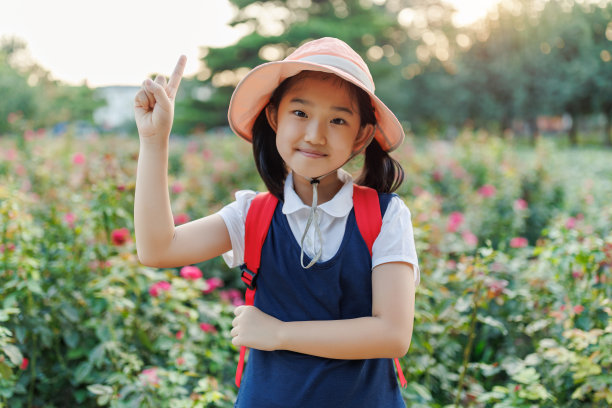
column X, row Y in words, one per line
column 369, row 222
column 256, row 229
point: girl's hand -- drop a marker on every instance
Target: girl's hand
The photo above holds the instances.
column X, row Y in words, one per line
column 154, row 105
column 255, row 329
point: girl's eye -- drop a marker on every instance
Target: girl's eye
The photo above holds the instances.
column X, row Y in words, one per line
column 299, row 113
column 338, row 121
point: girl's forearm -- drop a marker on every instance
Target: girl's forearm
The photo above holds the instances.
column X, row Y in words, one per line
column 361, row 338
column 153, row 219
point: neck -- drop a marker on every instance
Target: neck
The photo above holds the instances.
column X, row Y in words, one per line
column 326, row 190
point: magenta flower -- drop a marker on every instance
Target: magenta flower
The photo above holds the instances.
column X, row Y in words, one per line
column 149, row 376
column 469, row 238
column 213, row 284
column 70, row 218
column 177, row 187
column 518, row 242
column 191, row 272
column 233, row 296
column 78, row 158
column 208, row 328
column 455, row 219
column 520, row 204
column 570, row 223
column 158, row 287
column 120, row 236
column 487, row 190
column 179, row 335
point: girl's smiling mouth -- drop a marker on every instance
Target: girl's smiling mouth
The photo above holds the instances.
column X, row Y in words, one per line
column 311, row 153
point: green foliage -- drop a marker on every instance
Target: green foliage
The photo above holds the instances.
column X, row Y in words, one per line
column 499, row 322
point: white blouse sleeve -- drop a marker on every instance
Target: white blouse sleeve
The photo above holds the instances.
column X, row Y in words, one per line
column 395, row 243
column 234, row 215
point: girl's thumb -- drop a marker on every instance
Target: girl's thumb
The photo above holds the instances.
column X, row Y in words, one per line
column 158, row 91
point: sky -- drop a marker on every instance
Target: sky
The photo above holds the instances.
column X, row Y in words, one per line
column 121, row 42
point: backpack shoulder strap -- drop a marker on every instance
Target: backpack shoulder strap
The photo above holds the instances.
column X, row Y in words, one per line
column 367, row 213
column 369, row 221
column 256, row 229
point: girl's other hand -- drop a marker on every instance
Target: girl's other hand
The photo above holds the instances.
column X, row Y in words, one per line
column 255, row 329
column 154, row 105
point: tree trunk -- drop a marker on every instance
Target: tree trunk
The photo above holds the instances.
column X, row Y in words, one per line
column 608, row 130
column 573, row 132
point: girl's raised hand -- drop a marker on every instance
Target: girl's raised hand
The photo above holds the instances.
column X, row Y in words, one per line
column 154, row 105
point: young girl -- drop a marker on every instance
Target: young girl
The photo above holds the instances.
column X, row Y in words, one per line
column 328, row 317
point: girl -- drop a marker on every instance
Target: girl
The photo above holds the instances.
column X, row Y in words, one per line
column 328, row 316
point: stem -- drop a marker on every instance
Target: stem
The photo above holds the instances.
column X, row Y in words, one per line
column 470, row 343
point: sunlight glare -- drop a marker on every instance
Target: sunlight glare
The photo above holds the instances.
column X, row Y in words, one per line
column 470, row 11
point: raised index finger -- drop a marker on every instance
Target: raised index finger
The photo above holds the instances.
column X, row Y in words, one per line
column 175, row 78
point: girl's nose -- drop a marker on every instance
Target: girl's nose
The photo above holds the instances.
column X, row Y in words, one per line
column 315, row 132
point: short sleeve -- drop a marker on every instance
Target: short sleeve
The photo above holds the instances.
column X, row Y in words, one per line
column 234, row 216
column 395, row 243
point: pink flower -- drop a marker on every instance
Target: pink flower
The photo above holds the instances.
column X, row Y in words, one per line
column 28, row 135
column 13, row 117
column 208, row 328
column 24, row 363
column 120, row 236
column 191, row 272
column 158, row 287
column 570, row 223
column 69, row 219
column 518, row 242
column 437, row 175
column 234, row 296
column 213, row 284
column 181, row 218
column 577, row 274
column 469, row 238
column 207, row 154
column 455, row 219
column 11, row 154
column 578, row 309
column 149, row 376
column 180, row 361
column 78, row 158
column 177, row 187
column 179, row 335
column 487, row 190
column 496, row 288
column 520, row 204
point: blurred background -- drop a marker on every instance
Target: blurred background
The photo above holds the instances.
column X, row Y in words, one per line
column 524, row 67
column 507, row 106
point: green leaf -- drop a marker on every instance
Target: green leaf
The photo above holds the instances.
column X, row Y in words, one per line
column 13, row 353
column 100, row 389
column 5, row 371
column 526, row 376
column 494, row 323
column 82, row 371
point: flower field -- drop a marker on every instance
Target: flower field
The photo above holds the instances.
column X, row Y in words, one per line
column 514, row 308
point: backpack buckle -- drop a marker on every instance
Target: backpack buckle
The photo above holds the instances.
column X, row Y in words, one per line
column 248, row 277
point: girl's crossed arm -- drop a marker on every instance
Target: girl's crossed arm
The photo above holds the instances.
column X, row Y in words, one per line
column 385, row 334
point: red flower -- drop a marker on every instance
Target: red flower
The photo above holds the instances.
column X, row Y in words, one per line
column 120, row 236
column 518, row 242
column 158, row 287
column 578, row 309
column 191, row 272
column 177, row 187
column 455, row 219
column 213, row 284
column 181, row 218
column 487, row 190
column 179, row 334
column 24, row 363
column 208, row 328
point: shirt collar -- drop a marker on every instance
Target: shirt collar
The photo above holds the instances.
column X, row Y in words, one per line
column 339, row 206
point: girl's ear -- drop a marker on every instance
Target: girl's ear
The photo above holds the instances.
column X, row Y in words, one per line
column 272, row 116
column 364, row 136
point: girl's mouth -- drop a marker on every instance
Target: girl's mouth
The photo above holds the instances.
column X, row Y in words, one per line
column 311, row 153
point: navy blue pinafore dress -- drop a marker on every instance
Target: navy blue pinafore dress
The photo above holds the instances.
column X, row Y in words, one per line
column 339, row 288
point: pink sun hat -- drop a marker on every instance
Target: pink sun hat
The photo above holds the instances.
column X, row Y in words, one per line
column 327, row 54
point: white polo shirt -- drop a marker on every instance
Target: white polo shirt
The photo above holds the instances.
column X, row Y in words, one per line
column 395, row 242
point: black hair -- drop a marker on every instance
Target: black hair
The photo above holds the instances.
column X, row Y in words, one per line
column 380, row 171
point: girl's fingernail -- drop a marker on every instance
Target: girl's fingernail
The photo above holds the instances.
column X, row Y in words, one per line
column 148, row 82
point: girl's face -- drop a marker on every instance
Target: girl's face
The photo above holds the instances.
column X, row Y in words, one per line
column 318, row 126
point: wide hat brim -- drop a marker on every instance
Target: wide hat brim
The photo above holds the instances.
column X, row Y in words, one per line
column 253, row 93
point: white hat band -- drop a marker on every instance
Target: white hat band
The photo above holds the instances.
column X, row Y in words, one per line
column 344, row 65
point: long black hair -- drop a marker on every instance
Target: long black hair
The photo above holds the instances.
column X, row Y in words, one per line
column 380, row 171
